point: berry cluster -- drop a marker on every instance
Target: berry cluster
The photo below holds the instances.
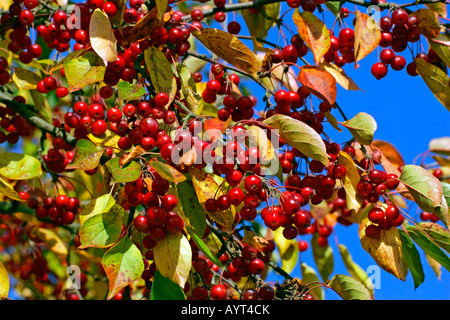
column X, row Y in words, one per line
column 14, row 125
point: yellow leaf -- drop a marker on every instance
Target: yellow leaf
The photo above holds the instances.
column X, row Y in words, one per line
column 314, row 32
column 102, row 36
column 367, row 35
column 253, row 240
column 173, row 258
column 143, row 28
column 8, row 190
column 351, row 179
column 436, row 79
column 258, row 138
column 4, row 282
column 25, row 79
column 160, row 71
column 161, row 6
column 341, row 77
column 229, row 48
column 52, row 241
column 427, row 22
column 386, row 251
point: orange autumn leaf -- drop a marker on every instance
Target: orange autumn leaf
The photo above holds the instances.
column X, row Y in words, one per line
column 367, row 35
column 314, row 32
column 320, row 82
column 390, row 152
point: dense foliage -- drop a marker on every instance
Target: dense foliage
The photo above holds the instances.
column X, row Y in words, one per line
column 137, row 163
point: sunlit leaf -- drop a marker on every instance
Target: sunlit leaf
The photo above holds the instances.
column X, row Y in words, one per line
column 367, row 35
column 128, row 173
column 427, row 22
column 339, row 74
column 123, row 263
column 354, row 269
column 101, row 230
column 300, row 136
column 84, row 71
column 323, row 257
column 362, row 127
column 25, row 79
column 17, row 166
column 173, row 258
column 86, row 155
column 229, row 48
column 412, row 257
column 319, row 82
column 313, row 32
column 351, row 180
column 4, row 282
column 309, row 275
column 8, row 190
column 102, row 37
column 348, row 288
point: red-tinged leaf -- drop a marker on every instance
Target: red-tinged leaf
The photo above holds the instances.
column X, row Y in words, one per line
column 439, row 7
column 391, row 153
column 440, row 145
column 313, row 32
column 123, row 263
column 428, row 23
column 135, row 153
column 214, row 127
column 167, row 172
column 320, row 82
column 339, row 74
column 87, row 155
column 367, row 35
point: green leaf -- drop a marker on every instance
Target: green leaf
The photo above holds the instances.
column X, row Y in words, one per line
column 425, row 188
column 165, row 289
column 17, row 166
column 41, row 105
column 300, row 136
column 258, row 23
column 123, row 263
column 25, row 79
column 101, row 230
column 4, row 282
column 436, row 79
column 167, row 172
column 323, row 257
column 193, row 213
column 129, row 91
column 84, row 71
column 309, row 275
column 441, row 50
column 204, row 248
column 362, row 127
column 354, row 269
column 440, row 145
column 439, row 234
column 189, row 89
column 428, row 246
column 333, row 6
column 130, row 172
column 86, row 155
column 412, row 257
column 160, row 71
column 173, row 258
column 102, row 204
column 348, row 288
column 8, row 190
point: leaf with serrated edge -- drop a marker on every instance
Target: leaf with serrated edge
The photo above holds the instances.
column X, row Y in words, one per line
column 348, row 288
column 173, row 258
column 101, row 230
column 425, row 188
column 300, row 136
column 102, row 37
column 123, row 263
column 128, row 173
column 362, row 127
column 100, row 205
column 86, row 155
